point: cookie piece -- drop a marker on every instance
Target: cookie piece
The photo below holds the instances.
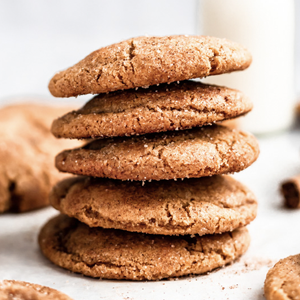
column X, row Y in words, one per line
column 163, row 108
column 283, row 280
column 197, row 152
column 27, row 150
column 117, row 254
column 290, row 189
column 145, row 61
column 21, row 290
column 200, row 206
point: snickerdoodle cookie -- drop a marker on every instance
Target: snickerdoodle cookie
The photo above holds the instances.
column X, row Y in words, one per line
column 145, row 61
column 117, row 254
column 20, row 290
column 198, row 152
column 167, row 107
column 27, row 150
column 283, row 280
column 200, row 206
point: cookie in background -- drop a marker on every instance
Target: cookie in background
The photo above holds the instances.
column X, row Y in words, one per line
column 21, row 290
column 283, row 280
column 27, row 150
column 298, row 109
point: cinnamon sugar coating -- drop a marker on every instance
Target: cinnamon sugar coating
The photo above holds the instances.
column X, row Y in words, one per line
column 145, row 61
column 198, row 152
column 200, row 206
column 283, row 280
column 117, row 254
column 165, row 107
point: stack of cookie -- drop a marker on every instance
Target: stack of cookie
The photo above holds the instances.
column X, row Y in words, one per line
column 151, row 126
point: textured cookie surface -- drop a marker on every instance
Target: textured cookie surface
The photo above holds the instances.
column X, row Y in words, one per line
column 145, row 61
column 27, row 150
column 194, row 206
column 163, row 108
column 197, row 152
column 117, row 254
column 20, row 290
column 283, row 280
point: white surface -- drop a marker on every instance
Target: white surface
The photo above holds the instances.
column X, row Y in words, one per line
column 269, row 35
column 274, row 235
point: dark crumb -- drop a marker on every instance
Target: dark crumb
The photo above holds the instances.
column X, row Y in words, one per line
column 290, row 192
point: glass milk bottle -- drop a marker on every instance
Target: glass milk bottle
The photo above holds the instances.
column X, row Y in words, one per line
column 266, row 28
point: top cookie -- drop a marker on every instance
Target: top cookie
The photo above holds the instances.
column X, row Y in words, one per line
column 145, row 61
column 283, row 280
column 20, row 290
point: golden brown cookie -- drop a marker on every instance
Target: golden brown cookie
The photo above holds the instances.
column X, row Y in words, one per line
column 20, row 290
column 27, row 150
column 194, row 206
column 117, row 254
column 166, row 107
column 197, row 152
column 283, row 280
column 145, row 61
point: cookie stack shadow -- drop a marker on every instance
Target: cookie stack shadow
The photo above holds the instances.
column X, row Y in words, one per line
column 151, row 201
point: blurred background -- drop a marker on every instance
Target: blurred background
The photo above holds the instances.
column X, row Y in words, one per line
column 39, row 38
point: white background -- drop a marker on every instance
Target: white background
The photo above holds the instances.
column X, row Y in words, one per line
column 39, row 38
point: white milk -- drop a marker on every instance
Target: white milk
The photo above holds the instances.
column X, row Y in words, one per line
column 266, row 28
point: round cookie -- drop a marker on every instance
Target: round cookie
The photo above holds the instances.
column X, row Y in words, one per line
column 117, row 254
column 283, row 280
column 197, row 152
column 166, row 107
column 200, row 206
column 21, row 290
column 144, row 61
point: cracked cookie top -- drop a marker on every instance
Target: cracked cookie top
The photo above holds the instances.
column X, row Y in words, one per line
column 283, row 280
column 117, row 254
column 166, row 107
column 197, row 152
column 200, row 206
column 21, row 290
column 144, row 61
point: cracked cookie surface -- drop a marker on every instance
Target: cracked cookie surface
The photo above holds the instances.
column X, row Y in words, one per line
column 283, row 280
column 198, row 152
column 117, row 254
column 27, row 150
column 200, row 206
column 145, row 61
column 166, row 107
column 21, row 290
